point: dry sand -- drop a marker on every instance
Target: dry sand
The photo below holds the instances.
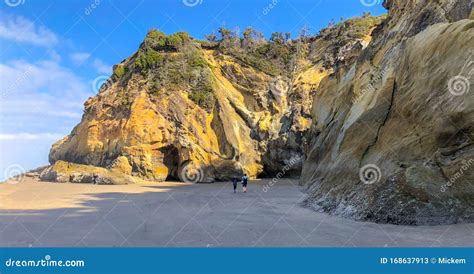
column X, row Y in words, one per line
column 175, row 214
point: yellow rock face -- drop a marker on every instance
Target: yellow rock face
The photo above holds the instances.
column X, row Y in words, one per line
column 64, row 172
column 122, row 165
column 255, row 125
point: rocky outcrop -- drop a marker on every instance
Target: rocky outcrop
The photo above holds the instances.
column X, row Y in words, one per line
column 64, row 172
column 392, row 134
column 199, row 111
column 379, row 110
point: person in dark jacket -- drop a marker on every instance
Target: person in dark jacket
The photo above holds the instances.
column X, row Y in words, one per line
column 234, row 184
column 245, row 180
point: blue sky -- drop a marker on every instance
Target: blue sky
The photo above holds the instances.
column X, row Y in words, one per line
column 54, row 54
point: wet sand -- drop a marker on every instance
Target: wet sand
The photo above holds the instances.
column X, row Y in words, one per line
column 39, row 214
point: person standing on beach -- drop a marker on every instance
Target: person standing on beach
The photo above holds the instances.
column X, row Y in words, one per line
column 234, row 184
column 245, row 180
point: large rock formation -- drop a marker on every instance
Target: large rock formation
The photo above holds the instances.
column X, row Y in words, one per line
column 392, row 134
column 201, row 111
column 379, row 109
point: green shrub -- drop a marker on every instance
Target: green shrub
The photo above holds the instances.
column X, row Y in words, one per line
column 155, row 34
column 119, row 71
column 148, row 58
column 155, row 39
column 195, row 59
column 177, row 40
column 203, row 97
column 154, row 88
column 358, row 27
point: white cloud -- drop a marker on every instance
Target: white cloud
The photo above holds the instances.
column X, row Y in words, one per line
column 40, row 102
column 101, row 67
column 40, row 97
column 40, row 107
column 79, row 58
column 22, row 30
column 44, row 77
column 54, row 56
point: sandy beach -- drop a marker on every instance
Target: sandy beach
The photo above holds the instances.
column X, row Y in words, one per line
column 39, row 214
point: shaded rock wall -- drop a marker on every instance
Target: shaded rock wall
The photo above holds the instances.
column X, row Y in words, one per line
column 392, row 134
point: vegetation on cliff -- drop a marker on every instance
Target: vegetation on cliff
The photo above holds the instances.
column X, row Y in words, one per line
column 231, row 104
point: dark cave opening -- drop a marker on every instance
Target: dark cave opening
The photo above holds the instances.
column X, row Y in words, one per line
column 171, row 161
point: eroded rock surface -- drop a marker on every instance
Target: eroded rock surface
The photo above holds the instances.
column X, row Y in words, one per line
column 65, row 172
column 213, row 110
column 392, row 134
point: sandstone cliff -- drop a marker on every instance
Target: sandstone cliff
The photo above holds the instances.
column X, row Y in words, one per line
column 379, row 110
column 203, row 111
column 392, row 134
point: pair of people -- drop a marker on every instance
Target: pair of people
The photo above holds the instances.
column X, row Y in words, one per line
column 244, row 181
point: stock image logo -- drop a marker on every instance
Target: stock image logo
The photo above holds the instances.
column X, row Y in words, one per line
column 370, row 3
column 88, row 10
column 14, row 174
column 458, row 175
column 266, row 10
column 192, row 173
column 289, row 164
column 370, row 174
column 14, row 3
column 47, row 261
column 192, row 3
column 459, row 85
column 101, row 83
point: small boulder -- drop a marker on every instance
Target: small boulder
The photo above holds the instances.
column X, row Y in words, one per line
column 121, row 164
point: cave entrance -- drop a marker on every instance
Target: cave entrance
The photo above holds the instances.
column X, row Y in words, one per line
column 289, row 169
column 171, row 161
